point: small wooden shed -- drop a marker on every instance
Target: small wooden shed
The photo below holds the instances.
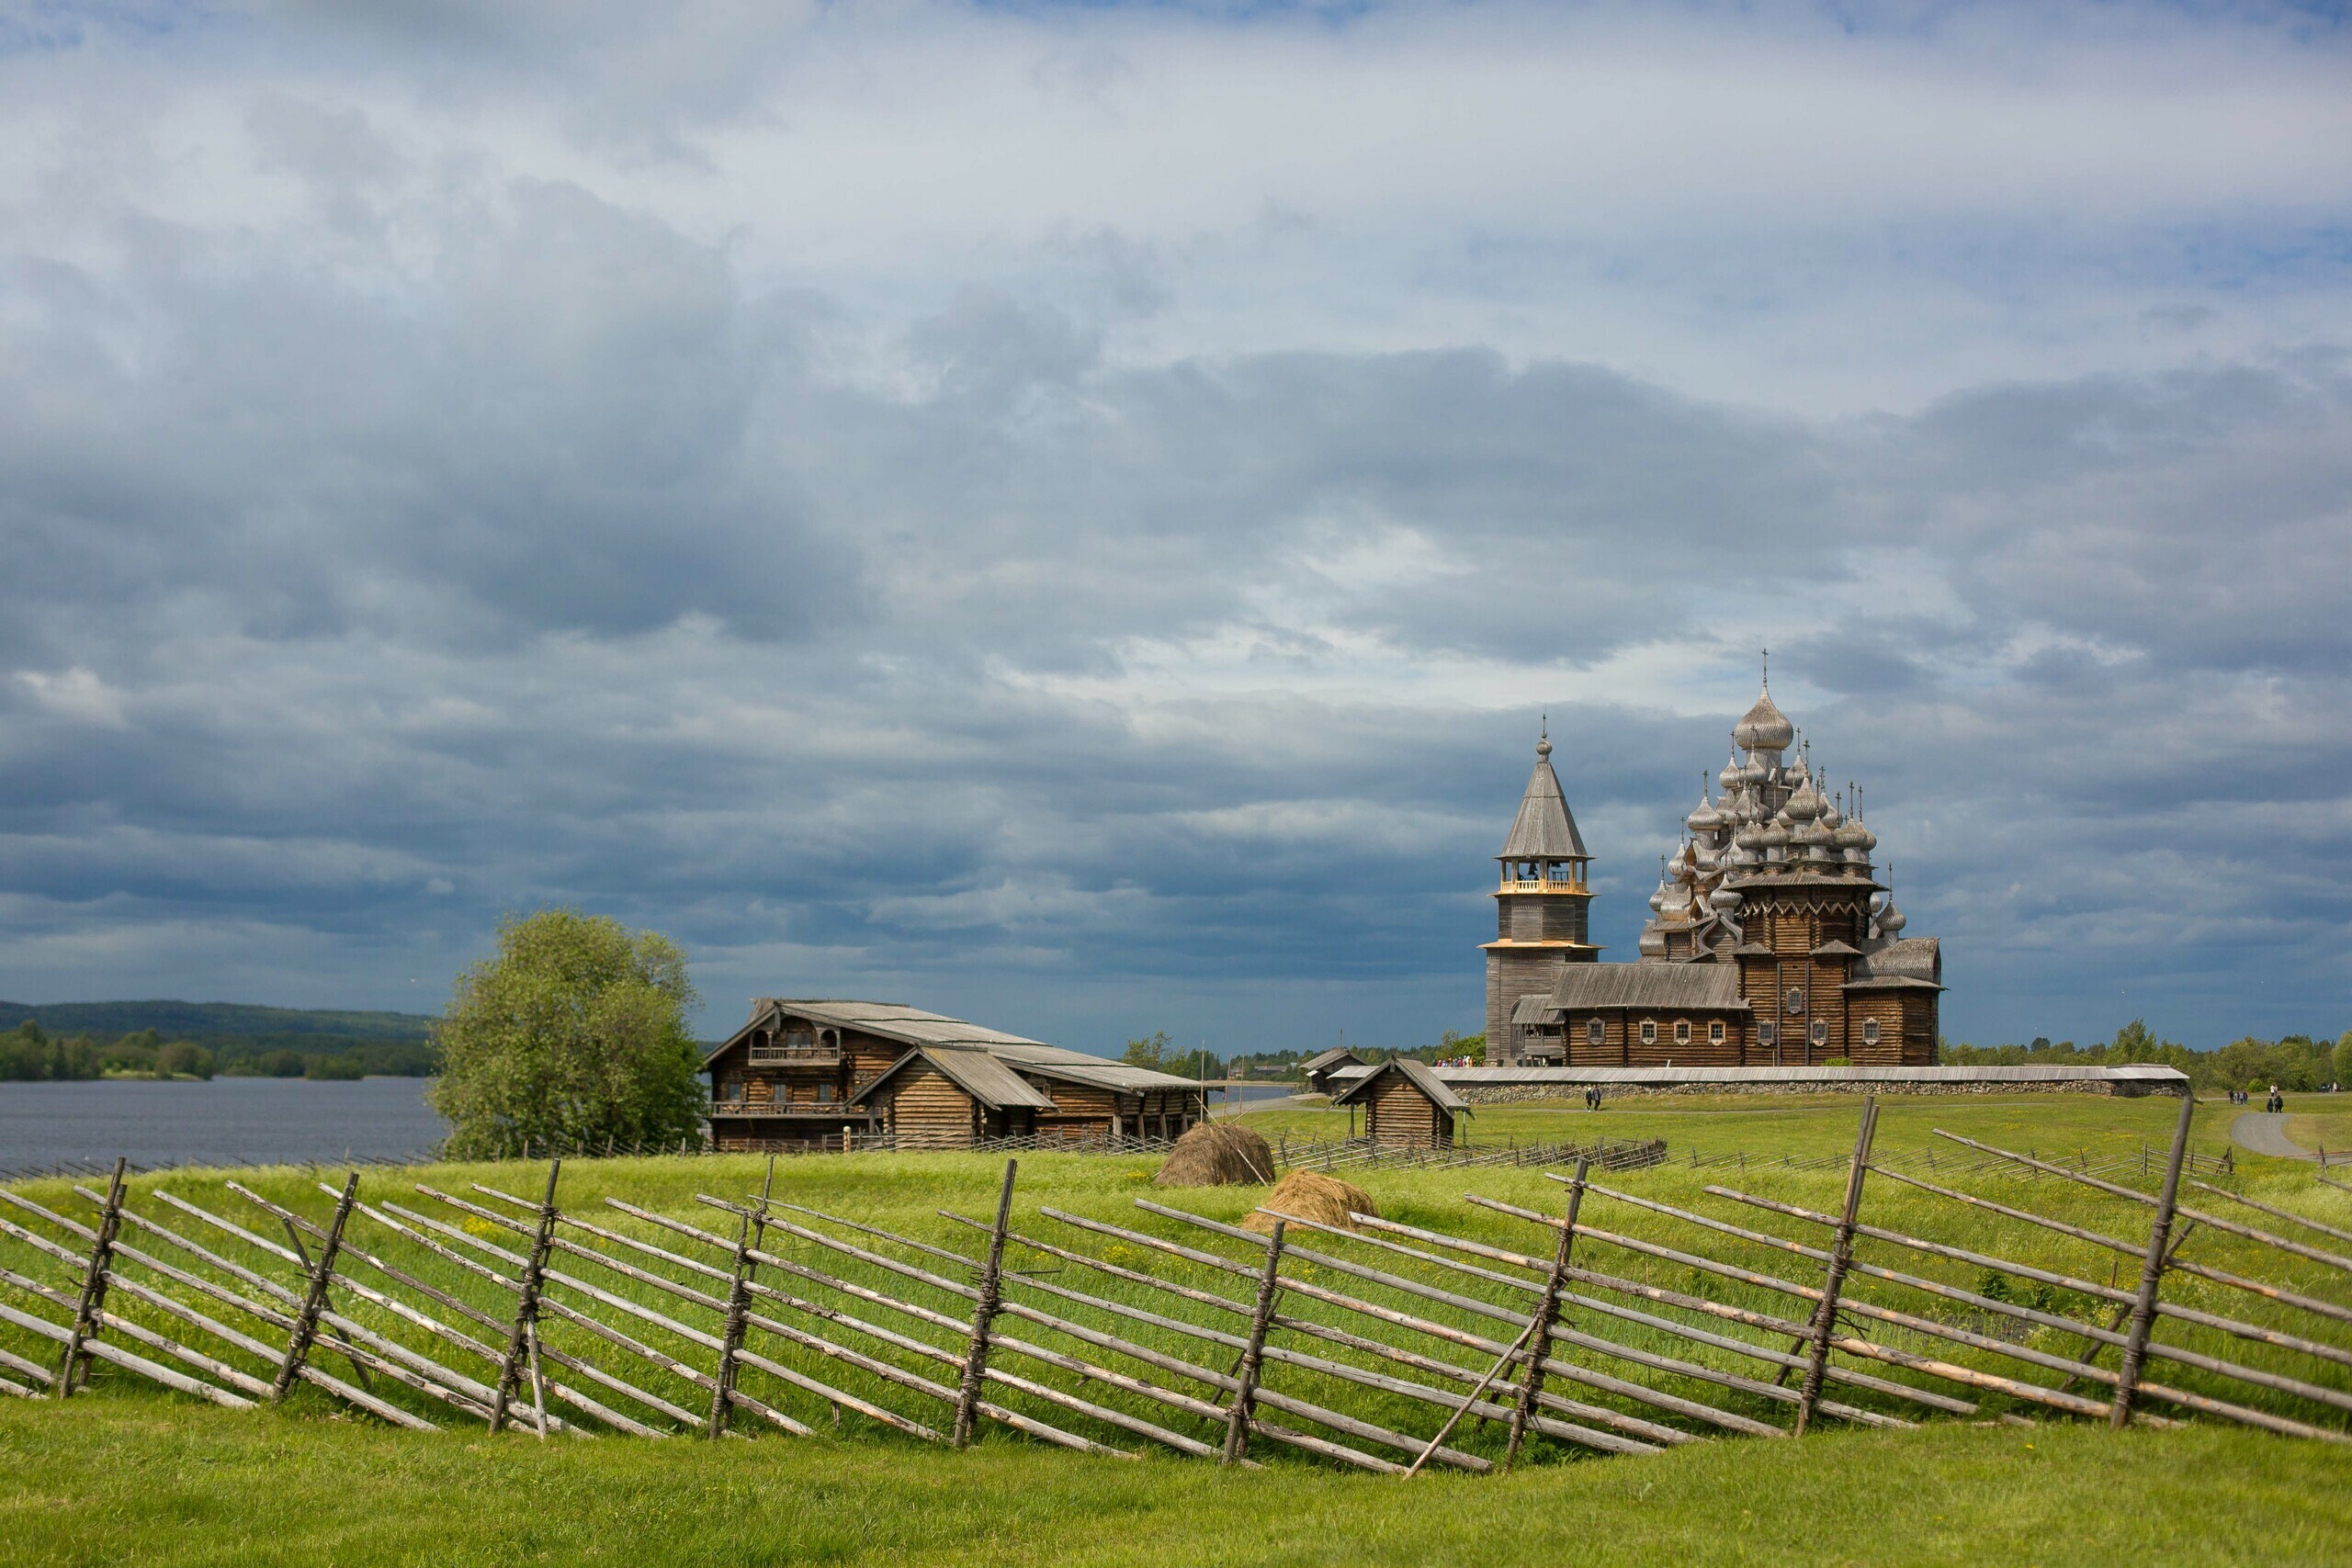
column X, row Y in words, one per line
column 1317, row 1070
column 1404, row 1102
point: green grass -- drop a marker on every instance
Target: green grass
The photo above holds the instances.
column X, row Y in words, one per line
column 134, row 1480
column 132, row 1474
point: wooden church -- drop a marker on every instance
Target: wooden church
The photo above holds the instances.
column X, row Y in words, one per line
column 1772, row 943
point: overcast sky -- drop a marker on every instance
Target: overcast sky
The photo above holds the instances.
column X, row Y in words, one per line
column 1068, row 515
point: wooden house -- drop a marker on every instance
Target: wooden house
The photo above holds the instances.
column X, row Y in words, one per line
column 1317, row 1070
column 804, row 1073
column 1772, row 942
column 1405, row 1104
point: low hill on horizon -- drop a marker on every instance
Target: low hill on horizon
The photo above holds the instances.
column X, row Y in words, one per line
column 203, row 1021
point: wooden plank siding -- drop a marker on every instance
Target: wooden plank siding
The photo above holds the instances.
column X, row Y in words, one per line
column 1397, row 1112
column 924, row 1106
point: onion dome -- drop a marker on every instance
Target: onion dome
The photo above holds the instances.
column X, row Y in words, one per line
column 1723, row 900
column 1705, row 857
column 1830, row 817
column 1750, row 838
column 1705, row 819
column 1890, row 919
column 1773, row 836
column 1805, row 804
column 1733, row 775
column 1763, row 727
column 1653, row 943
column 1744, row 857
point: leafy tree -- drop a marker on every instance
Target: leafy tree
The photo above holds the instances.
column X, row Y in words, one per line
column 2342, row 1063
column 575, row 1033
column 182, row 1059
column 334, row 1066
column 1149, row 1052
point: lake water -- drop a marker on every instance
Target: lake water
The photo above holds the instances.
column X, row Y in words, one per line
column 226, row 1121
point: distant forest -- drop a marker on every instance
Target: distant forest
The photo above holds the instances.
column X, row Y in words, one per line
column 173, row 1039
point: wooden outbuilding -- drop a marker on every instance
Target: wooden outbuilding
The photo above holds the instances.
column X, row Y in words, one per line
column 1317, row 1070
column 804, row 1073
column 1404, row 1102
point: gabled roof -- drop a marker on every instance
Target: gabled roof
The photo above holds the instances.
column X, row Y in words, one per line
column 1834, row 948
column 1708, row 986
column 977, row 1073
column 914, row 1027
column 1338, row 1056
column 1544, row 829
column 1534, row 1008
column 1418, row 1074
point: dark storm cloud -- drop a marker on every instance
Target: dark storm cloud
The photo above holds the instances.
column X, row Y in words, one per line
column 395, row 539
column 585, row 583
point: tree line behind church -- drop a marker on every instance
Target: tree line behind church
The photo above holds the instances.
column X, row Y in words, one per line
column 2297, row 1062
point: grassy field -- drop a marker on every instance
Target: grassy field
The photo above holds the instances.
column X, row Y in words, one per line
column 131, row 1474
column 135, row 1480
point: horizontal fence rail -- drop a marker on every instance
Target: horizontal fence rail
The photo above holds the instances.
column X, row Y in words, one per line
column 1611, row 1324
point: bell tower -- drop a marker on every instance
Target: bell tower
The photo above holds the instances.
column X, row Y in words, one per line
column 1541, row 906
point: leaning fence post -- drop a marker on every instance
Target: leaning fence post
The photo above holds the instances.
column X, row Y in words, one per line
column 526, row 1306
column 1841, row 1256
column 93, row 1287
column 738, row 1303
column 1245, row 1393
column 2151, row 1271
column 314, row 1300
column 975, row 1353
column 1531, row 1386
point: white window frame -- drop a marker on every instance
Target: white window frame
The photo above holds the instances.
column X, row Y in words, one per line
column 1682, row 1031
column 1649, row 1032
column 1820, row 1034
column 1715, row 1031
column 1870, row 1031
column 1596, row 1033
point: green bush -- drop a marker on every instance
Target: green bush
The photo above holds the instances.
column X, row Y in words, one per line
column 340, row 1069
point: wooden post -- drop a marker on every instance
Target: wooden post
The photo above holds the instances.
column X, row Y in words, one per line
column 526, row 1306
column 1531, row 1386
column 2151, row 1270
column 314, row 1300
column 1245, row 1393
column 93, row 1288
column 731, row 1341
column 984, row 1308
column 1841, row 1256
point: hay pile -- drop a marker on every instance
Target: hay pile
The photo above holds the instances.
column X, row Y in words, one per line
column 1311, row 1195
column 1216, row 1155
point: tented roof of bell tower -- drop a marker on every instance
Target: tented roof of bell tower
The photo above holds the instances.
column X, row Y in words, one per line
column 1544, row 829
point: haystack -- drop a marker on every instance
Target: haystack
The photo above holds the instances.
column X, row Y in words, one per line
column 1215, row 1153
column 1311, row 1195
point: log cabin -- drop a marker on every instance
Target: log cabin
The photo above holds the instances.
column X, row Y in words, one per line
column 1405, row 1104
column 1317, row 1070
column 802, row 1074
column 1772, row 942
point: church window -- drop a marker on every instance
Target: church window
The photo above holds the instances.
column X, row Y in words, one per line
column 1715, row 1033
column 1768, row 1033
column 1649, row 1032
column 1595, row 1032
column 1682, row 1031
column 1870, row 1031
column 1821, row 1031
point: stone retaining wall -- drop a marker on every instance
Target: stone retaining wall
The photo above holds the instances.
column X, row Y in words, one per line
column 1509, row 1094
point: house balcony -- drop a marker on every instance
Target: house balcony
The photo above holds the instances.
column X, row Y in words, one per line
column 772, row 1056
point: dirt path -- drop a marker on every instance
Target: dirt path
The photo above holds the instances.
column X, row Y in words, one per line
column 2261, row 1132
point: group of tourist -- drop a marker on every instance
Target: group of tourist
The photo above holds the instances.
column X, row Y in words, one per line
column 2275, row 1104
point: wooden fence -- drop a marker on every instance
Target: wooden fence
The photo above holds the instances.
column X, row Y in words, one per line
column 1373, row 1345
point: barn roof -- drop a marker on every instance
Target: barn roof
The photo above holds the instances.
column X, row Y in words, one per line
column 1338, row 1056
column 977, row 1073
column 914, row 1027
column 1415, row 1073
